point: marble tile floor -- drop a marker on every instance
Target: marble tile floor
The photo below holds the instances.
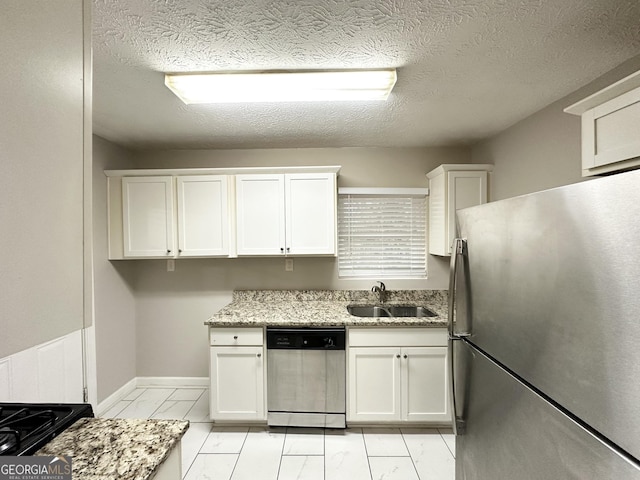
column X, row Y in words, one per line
column 261, row 453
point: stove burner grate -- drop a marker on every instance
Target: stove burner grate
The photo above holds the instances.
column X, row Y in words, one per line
column 22, row 424
column 26, row 427
column 8, row 439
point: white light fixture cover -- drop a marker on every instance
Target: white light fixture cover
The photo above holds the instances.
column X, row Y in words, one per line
column 306, row 86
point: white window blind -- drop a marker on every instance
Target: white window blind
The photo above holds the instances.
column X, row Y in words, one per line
column 382, row 236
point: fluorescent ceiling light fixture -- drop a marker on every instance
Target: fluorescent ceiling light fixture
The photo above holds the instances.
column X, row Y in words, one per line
column 301, row 86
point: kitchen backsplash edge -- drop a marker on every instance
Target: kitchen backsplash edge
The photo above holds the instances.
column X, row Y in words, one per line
column 355, row 296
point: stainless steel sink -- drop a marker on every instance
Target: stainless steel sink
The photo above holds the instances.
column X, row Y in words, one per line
column 377, row 311
column 410, row 311
column 372, row 311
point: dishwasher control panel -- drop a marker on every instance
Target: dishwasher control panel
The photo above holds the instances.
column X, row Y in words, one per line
column 306, row 338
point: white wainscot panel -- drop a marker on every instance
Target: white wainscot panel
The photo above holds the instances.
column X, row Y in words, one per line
column 50, row 372
column 23, row 376
column 5, row 392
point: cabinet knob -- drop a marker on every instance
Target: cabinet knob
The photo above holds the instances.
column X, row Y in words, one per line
column 406, row 356
column 179, row 250
column 282, row 250
column 288, row 249
column 235, row 337
column 398, row 356
column 168, row 251
column 259, row 355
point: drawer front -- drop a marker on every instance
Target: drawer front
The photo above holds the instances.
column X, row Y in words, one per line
column 397, row 337
column 236, row 336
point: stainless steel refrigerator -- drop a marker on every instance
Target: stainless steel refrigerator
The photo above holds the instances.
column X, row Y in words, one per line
column 545, row 340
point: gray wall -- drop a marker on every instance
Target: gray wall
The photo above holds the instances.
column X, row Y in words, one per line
column 543, row 150
column 41, row 188
column 172, row 306
column 114, row 300
column 361, row 167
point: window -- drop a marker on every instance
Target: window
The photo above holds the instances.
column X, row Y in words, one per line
column 382, row 234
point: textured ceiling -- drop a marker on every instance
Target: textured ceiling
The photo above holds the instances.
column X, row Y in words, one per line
column 466, row 68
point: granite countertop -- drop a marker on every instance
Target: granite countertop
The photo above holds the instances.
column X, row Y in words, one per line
column 324, row 308
column 116, row 449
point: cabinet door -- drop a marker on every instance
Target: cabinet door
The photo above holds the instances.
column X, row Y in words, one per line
column 310, row 200
column 237, row 383
column 450, row 191
column 203, row 218
column 260, row 214
column 610, row 134
column 438, row 215
column 425, row 380
column 147, row 213
column 374, row 384
column 464, row 189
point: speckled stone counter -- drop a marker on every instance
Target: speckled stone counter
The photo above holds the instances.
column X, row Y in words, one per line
column 324, row 308
column 123, row 449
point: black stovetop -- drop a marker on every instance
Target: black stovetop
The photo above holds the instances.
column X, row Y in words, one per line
column 26, row 427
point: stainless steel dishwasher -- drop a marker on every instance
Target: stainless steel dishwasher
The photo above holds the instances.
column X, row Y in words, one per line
column 306, row 377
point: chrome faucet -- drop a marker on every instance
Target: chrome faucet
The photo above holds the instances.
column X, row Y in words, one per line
column 380, row 290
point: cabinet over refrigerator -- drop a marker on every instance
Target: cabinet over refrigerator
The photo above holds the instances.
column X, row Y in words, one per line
column 545, row 338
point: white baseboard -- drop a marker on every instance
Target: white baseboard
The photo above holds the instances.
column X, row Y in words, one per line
column 175, row 382
column 116, row 396
column 150, row 382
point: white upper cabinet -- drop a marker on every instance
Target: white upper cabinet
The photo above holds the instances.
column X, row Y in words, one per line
column 176, row 213
column 610, row 132
column 152, row 216
column 203, row 215
column 311, row 205
column 147, row 216
column 451, row 188
column 260, row 214
column 286, row 214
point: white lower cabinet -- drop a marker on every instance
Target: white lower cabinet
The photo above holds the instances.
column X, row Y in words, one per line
column 425, row 391
column 405, row 382
column 374, row 384
column 394, row 375
column 237, row 375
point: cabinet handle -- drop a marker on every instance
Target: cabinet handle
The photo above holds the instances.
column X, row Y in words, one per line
column 282, row 250
column 235, row 337
column 406, row 356
column 398, row 356
column 288, row 249
column 259, row 355
column 179, row 250
column 168, row 251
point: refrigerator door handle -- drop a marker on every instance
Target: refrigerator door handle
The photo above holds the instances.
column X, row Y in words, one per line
column 457, row 251
column 452, row 387
column 457, row 416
